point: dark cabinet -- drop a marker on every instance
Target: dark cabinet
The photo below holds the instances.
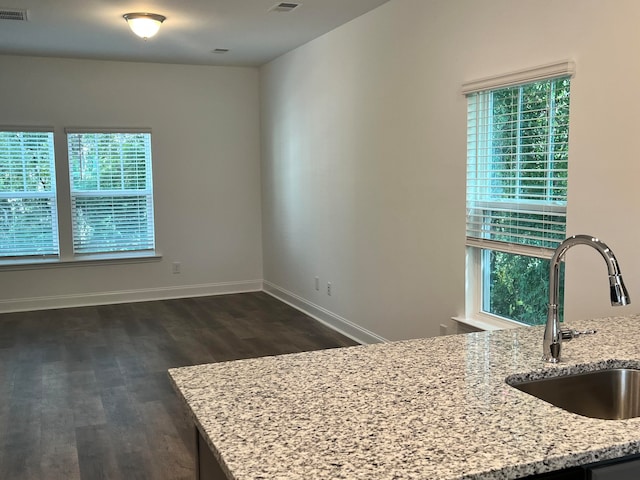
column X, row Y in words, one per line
column 625, row 468
column 207, row 467
column 568, row 474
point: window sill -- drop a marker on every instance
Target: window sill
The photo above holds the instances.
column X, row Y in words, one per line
column 80, row 261
column 487, row 323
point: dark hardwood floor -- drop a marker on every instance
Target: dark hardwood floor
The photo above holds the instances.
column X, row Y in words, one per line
column 84, row 392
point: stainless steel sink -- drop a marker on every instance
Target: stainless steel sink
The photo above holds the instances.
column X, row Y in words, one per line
column 611, row 394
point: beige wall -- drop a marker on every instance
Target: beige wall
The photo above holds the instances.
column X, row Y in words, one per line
column 205, row 134
column 363, row 153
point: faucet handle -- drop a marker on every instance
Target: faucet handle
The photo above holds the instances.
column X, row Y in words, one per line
column 570, row 333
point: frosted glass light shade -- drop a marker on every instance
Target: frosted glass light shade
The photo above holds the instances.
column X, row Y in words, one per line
column 144, row 25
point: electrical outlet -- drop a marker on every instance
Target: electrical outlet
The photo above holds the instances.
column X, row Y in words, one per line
column 329, row 288
column 318, row 284
column 443, row 329
column 175, row 267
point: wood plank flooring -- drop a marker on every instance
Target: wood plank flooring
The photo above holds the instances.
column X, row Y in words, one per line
column 84, row 392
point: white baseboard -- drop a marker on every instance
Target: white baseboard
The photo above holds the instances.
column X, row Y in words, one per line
column 330, row 319
column 128, row 296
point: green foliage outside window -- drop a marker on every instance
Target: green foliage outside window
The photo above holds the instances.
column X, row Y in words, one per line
column 519, row 287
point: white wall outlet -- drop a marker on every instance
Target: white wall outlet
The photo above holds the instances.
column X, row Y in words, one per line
column 318, row 284
column 329, row 288
column 175, row 267
column 444, row 330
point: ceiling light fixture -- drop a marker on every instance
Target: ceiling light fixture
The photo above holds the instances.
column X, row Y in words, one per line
column 144, row 25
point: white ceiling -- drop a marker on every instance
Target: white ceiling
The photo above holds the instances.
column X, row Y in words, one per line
column 95, row 29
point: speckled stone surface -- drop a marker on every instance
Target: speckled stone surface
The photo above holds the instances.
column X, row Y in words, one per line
column 430, row 409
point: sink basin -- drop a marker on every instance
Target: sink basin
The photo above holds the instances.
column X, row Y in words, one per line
column 611, row 394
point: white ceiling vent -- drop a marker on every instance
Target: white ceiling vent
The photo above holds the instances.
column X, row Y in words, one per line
column 13, row 14
column 284, row 7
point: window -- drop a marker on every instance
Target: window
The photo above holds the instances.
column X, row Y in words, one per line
column 111, row 192
column 107, row 203
column 517, row 154
column 28, row 212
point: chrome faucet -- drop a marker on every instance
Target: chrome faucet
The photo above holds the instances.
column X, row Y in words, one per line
column 553, row 334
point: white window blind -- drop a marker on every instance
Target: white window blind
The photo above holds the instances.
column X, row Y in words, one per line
column 28, row 212
column 517, row 166
column 111, row 191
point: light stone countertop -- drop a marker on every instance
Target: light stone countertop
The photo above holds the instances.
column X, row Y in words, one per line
column 429, row 409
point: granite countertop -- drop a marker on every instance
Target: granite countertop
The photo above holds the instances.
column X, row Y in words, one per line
column 435, row 408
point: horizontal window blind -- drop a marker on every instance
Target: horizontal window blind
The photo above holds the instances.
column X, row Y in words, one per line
column 28, row 211
column 517, row 141
column 111, row 191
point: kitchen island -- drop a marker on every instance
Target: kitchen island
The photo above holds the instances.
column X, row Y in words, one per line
column 431, row 409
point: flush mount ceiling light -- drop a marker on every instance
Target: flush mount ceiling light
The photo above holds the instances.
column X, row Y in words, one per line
column 144, row 25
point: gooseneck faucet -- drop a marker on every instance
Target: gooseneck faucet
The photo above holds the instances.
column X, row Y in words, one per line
column 553, row 334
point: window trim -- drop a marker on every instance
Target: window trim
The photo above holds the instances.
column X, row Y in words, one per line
column 474, row 315
column 79, row 261
column 565, row 68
